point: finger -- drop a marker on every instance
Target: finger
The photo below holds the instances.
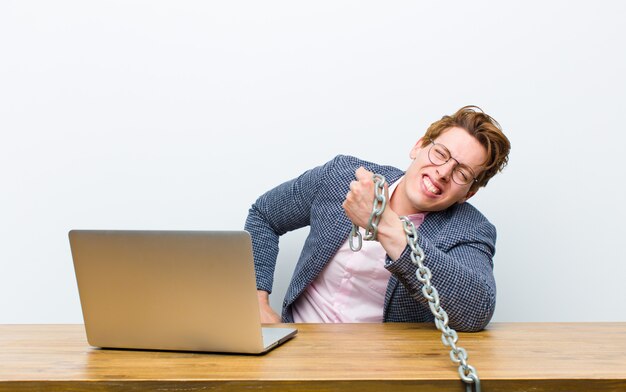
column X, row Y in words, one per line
column 363, row 174
column 351, row 197
column 347, row 199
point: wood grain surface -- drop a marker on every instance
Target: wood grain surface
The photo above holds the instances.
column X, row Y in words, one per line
column 328, row 357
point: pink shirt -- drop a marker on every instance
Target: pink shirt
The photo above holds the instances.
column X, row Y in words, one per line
column 352, row 286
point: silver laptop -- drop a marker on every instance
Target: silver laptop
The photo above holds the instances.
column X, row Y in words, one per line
column 171, row 290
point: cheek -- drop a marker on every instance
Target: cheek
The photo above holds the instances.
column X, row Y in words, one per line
column 460, row 195
column 417, row 165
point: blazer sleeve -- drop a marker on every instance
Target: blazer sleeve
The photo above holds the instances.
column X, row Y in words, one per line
column 462, row 275
column 280, row 210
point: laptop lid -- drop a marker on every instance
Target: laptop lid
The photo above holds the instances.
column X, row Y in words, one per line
column 170, row 290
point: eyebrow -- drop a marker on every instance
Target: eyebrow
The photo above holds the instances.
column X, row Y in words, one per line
column 452, row 157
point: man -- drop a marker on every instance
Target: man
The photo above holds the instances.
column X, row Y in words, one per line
column 331, row 283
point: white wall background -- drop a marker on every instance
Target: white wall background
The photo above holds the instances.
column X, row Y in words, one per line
column 177, row 115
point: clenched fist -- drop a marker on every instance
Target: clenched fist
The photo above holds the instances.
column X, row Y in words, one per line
column 359, row 201
column 358, row 205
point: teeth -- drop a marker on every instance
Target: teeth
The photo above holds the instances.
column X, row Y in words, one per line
column 431, row 188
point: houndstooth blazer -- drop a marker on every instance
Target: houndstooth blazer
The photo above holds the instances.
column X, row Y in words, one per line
column 459, row 244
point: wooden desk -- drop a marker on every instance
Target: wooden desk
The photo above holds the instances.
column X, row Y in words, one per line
column 330, row 357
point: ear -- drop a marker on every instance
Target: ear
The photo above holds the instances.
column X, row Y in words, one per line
column 416, row 148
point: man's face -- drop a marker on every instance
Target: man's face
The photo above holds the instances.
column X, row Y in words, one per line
column 428, row 187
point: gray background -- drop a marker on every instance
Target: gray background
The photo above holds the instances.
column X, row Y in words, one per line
column 177, row 115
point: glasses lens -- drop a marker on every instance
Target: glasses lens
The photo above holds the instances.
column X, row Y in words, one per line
column 438, row 154
column 462, row 175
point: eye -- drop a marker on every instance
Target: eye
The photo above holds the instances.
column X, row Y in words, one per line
column 440, row 153
column 464, row 174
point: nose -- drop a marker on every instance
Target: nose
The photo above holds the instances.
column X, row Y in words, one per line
column 445, row 171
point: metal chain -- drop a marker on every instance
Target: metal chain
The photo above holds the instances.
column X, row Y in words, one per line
column 371, row 231
column 449, row 336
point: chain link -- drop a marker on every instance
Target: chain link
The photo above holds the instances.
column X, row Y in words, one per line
column 449, row 336
column 371, row 231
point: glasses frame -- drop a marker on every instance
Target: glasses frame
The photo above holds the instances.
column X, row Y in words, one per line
column 433, row 144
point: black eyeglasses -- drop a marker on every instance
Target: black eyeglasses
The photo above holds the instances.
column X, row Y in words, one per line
column 439, row 155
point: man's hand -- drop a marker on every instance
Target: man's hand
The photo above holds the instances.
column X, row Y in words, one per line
column 360, row 199
column 268, row 316
column 359, row 204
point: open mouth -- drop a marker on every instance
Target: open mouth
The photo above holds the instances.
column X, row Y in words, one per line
column 428, row 184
